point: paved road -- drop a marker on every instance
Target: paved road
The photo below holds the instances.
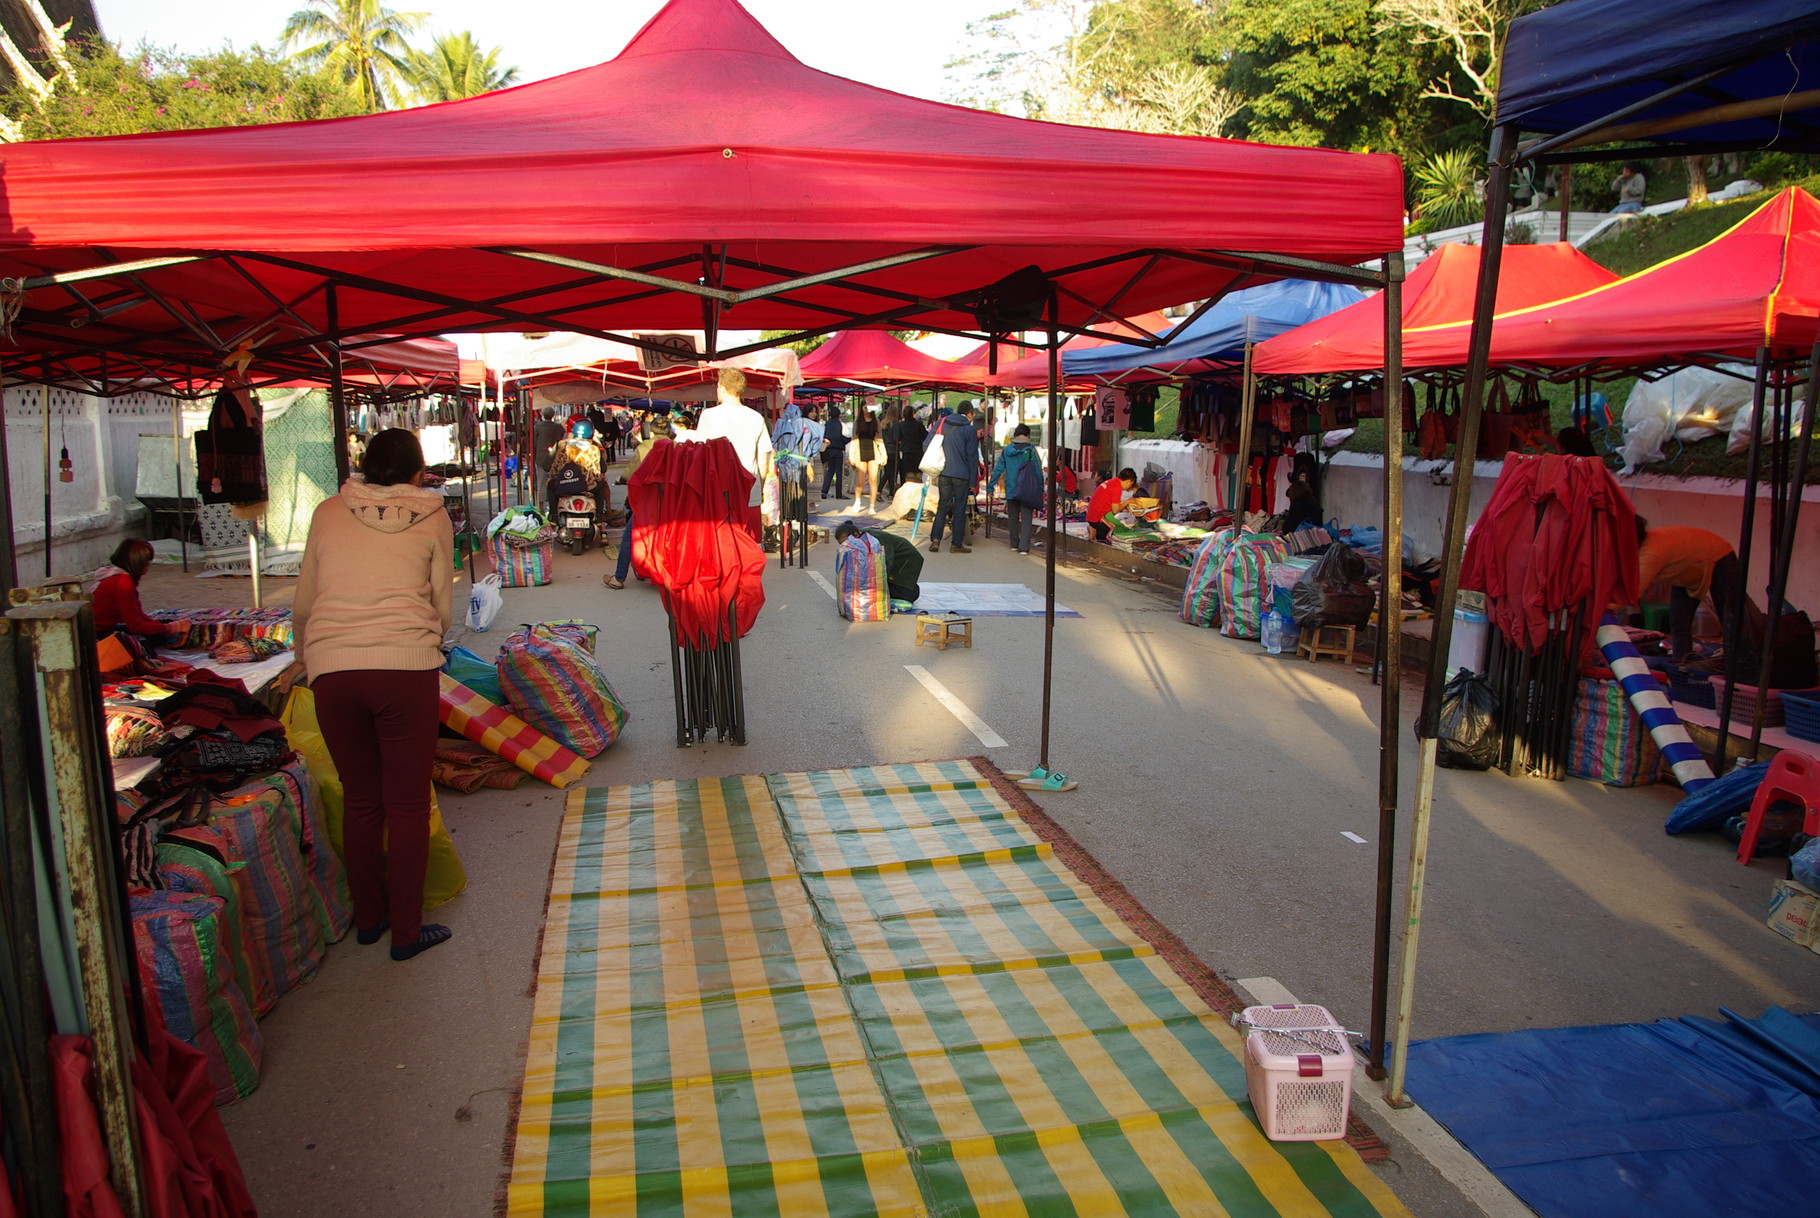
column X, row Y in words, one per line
column 1217, row 782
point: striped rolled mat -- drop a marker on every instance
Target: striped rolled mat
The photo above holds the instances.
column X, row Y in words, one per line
column 1653, row 707
column 500, row 731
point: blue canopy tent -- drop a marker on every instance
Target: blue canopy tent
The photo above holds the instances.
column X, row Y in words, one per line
column 1610, row 80
column 1221, row 333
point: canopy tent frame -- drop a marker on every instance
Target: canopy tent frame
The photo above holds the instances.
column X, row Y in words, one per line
column 1313, row 223
column 1505, row 153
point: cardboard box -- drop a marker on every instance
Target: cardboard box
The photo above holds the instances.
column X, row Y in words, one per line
column 1794, row 913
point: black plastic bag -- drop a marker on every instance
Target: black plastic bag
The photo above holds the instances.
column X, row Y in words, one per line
column 1336, row 591
column 1467, row 735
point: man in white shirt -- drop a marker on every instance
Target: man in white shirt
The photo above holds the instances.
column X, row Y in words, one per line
column 748, row 432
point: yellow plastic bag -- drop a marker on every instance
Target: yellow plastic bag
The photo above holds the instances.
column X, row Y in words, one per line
column 446, row 877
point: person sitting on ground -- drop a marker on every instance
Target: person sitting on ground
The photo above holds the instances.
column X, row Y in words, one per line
column 115, row 601
column 1695, row 564
column 1109, row 497
column 1631, row 186
column 903, row 561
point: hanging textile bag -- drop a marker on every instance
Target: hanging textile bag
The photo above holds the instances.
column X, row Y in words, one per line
column 189, row 978
column 859, row 565
column 552, row 682
column 1607, row 742
column 230, row 451
column 1201, row 594
column 1243, row 590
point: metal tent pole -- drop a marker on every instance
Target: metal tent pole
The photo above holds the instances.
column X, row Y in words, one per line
column 1459, row 501
column 1055, row 427
column 1241, row 467
column 338, row 398
column 1390, row 648
column 1784, row 553
column 1734, row 629
column 45, row 398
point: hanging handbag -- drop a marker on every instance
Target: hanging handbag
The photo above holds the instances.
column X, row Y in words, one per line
column 230, row 451
column 935, row 456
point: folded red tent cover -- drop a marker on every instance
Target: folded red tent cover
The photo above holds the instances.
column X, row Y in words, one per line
column 689, row 507
column 1558, row 533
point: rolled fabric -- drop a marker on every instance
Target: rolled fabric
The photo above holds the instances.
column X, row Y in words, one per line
column 498, row 730
column 1653, row 707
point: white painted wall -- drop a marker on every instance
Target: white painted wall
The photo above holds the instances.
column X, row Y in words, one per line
column 1353, row 494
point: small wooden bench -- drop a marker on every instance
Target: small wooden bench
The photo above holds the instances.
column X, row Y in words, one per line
column 941, row 629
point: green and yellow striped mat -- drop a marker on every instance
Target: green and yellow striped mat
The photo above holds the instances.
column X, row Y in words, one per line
column 873, row 991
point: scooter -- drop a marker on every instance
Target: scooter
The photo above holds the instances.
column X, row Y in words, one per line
column 576, row 523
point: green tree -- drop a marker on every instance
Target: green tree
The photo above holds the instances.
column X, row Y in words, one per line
column 162, row 90
column 1472, row 32
column 1323, row 73
column 455, row 67
column 361, row 41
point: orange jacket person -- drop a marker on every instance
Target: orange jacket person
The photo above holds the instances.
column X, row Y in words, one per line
column 1694, row 563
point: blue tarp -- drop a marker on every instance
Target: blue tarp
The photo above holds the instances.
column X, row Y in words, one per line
column 1582, row 60
column 1247, row 316
column 1684, row 1118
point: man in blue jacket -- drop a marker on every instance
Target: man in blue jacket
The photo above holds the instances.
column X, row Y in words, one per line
column 960, row 474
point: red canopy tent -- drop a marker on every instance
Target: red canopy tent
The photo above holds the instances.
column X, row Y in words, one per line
column 866, row 358
column 1032, row 371
column 1755, row 285
column 782, row 193
column 1437, row 292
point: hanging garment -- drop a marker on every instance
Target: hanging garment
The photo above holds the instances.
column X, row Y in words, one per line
column 230, row 451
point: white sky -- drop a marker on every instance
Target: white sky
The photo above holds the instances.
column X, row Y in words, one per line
column 897, row 46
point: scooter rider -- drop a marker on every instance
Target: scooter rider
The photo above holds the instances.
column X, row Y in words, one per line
column 575, row 469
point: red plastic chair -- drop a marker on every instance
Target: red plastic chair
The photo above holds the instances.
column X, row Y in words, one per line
column 1794, row 776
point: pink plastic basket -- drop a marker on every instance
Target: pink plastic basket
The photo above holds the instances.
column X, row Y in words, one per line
column 1298, row 1068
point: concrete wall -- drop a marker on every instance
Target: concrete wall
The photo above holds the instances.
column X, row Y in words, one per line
column 1354, row 495
column 93, row 511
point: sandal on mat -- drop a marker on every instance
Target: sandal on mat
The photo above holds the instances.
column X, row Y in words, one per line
column 1055, row 781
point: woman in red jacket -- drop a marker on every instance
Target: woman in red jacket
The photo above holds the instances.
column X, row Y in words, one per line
column 116, row 598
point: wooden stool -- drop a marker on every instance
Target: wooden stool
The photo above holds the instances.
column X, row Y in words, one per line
column 1336, row 641
column 942, row 629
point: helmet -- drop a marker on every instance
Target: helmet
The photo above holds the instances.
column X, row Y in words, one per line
column 581, row 430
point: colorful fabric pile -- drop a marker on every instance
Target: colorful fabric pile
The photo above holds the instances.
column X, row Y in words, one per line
column 247, row 651
column 210, row 628
column 467, row 767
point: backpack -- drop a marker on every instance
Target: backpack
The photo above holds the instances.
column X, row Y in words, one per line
column 1027, row 486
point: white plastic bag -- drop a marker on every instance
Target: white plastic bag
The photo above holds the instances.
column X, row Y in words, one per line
column 484, row 600
column 935, row 456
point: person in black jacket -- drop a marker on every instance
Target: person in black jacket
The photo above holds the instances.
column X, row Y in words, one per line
column 909, row 437
column 834, row 452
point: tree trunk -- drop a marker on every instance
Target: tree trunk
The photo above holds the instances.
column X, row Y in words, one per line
column 1696, row 179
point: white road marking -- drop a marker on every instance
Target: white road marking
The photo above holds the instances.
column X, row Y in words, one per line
column 957, row 708
column 1352, row 837
column 827, row 587
column 1427, row 1136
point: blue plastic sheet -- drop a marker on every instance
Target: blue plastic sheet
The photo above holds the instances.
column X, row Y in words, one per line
column 1685, row 1118
column 1706, row 810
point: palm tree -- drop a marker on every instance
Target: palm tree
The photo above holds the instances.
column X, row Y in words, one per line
column 361, row 41
column 455, row 67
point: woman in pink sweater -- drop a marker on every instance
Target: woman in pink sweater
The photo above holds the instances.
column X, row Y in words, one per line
column 373, row 603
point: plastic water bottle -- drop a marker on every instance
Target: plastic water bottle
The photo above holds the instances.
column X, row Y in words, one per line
column 1272, row 632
